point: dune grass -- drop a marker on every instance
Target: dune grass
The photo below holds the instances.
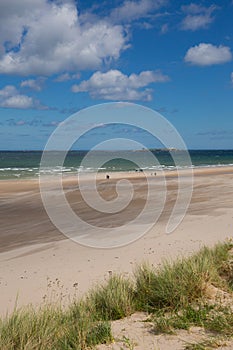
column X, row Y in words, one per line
column 112, row 300
column 213, row 318
column 174, row 295
column 53, row 328
column 179, row 283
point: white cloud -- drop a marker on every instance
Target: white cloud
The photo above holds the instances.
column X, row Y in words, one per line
column 44, row 37
column 232, row 77
column 208, row 54
column 10, row 97
column 133, row 10
column 17, row 101
column 8, row 91
column 67, row 76
column 197, row 17
column 114, row 85
column 34, row 84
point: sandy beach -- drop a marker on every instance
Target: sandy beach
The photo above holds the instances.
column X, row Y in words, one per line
column 38, row 263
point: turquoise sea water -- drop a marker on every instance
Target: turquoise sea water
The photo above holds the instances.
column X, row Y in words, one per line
column 24, row 164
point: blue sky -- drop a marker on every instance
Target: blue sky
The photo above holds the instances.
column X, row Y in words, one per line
column 58, row 57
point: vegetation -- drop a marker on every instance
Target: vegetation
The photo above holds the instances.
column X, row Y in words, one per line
column 177, row 284
column 113, row 300
column 214, row 318
column 175, row 296
column 53, row 328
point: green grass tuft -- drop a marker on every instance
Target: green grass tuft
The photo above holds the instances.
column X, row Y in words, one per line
column 213, row 318
column 52, row 328
column 112, row 300
column 177, row 284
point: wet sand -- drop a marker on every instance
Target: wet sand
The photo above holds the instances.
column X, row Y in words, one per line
column 38, row 262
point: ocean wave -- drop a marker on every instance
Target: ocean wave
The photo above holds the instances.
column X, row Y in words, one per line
column 19, row 172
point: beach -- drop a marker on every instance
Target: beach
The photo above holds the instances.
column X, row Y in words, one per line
column 38, row 263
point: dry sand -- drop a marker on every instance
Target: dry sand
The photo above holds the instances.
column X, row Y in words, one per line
column 37, row 262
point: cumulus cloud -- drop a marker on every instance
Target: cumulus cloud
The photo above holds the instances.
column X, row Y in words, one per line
column 45, row 37
column 114, row 85
column 208, row 54
column 17, row 101
column 197, row 17
column 10, row 97
column 42, row 37
column 34, row 84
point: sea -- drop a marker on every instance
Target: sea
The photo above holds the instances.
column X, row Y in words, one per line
column 26, row 164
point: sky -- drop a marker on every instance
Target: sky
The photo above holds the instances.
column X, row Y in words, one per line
column 58, row 57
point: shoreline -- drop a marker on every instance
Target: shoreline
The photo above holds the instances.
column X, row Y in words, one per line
column 166, row 169
column 36, row 252
column 131, row 173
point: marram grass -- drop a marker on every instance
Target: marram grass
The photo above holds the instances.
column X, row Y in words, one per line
column 174, row 294
column 179, row 283
column 53, row 328
column 112, row 300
